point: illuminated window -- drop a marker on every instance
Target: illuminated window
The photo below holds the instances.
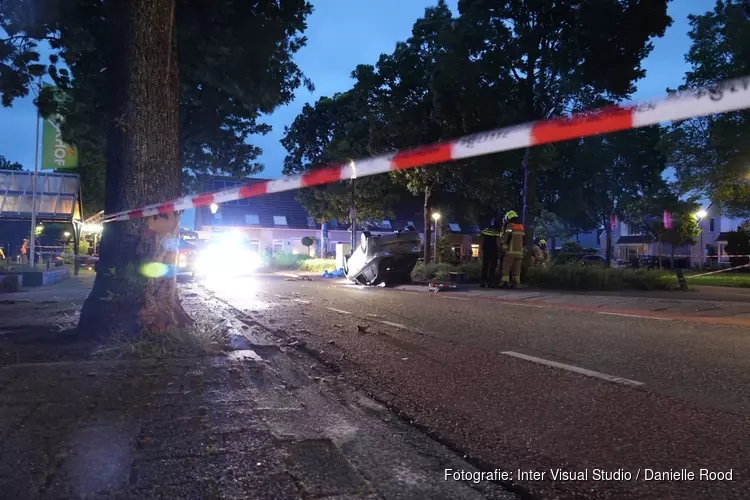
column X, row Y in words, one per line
column 475, row 250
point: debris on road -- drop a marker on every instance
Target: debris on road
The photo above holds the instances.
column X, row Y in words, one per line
column 362, row 329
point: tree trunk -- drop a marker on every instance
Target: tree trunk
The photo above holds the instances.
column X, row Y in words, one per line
column 529, row 197
column 135, row 289
column 427, row 223
column 608, row 235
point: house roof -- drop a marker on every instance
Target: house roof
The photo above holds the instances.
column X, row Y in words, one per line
column 635, row 239
column 285, row 204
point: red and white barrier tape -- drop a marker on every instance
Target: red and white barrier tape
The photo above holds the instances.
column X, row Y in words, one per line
column 719, row 271
column 731, row 95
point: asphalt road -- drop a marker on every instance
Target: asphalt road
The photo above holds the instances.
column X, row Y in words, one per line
column 536, row 387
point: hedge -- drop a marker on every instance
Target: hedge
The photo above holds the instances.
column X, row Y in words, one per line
column 570, row 277
column 574, row 277
column 317, row 265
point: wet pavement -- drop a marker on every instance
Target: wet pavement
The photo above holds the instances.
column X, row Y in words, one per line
column 268, row 422
column 614, row 391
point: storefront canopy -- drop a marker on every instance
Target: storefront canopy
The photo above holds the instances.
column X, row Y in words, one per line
column 56, row 196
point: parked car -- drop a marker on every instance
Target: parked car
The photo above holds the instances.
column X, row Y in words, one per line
column 388, row 258
column 593, row 261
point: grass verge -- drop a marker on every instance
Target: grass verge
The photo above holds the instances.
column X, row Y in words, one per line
column 207, row 336
column 737, row 280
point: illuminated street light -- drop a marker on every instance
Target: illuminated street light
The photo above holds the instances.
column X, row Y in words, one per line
column 436, row 216
column 214, row 208
column 701, row 214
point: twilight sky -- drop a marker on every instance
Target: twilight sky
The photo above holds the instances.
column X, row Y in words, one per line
column 344, row 33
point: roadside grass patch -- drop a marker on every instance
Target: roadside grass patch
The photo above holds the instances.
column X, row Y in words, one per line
column 207, row 336
column 317, row 265
column 737, row 280
column 442, row 271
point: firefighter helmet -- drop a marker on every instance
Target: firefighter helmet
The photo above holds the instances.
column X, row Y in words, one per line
column 542, row 243
column 511, row 215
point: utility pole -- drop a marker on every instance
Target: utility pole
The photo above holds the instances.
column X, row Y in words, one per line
column 353, row 217
column 32, row 239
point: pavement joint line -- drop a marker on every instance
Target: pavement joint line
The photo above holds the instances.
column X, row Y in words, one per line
column 340, row 311
column 576, row 369
column 396, row 325
column 634, row 316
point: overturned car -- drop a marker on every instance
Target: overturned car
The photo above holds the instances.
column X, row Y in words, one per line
column 386, row 259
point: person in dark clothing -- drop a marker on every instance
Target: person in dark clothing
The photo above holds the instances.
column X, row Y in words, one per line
column 489, row 244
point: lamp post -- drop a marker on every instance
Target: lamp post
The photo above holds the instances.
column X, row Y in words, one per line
column 701, row 214
column 436, row 218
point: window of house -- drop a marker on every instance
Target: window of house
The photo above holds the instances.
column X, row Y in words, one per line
column 278, row 246
column 711, row 226
column 632, row 229
column 454, row 227
column 386, row 224
column 252, row 219
column 310, row 222
column 411, row 223
column 279, row 220
column 475, row 251
column 254, row 246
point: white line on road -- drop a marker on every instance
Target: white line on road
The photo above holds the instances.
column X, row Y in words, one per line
column 576, row 369
column 524, row 305
column 455, row 298
column 396, row 325
column 337, row 310
column 634, row 316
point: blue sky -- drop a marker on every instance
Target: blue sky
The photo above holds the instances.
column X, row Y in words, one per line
column 344, row 33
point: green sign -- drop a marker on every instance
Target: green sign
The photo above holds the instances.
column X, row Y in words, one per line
column 56, row 153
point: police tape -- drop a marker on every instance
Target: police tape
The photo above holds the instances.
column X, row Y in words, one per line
column 731, row 95
column 717, row 272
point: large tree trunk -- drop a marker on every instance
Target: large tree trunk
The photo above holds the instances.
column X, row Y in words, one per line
column 608, row 235
column 529, row 197
column 427, row 223
column 143, row 167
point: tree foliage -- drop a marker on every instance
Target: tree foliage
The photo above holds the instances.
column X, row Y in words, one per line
column 6, row 164
column 711, row 155
column 235, row 64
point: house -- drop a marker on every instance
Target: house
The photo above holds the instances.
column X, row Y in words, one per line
column 586, row 239
column 629, row 241
column 279, row 222
column 713, row 239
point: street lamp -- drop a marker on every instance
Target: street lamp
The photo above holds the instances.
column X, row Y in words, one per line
column 214, row 208
column 436, row 218
column 701, row 214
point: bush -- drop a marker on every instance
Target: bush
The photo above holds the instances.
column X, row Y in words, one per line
column 317, row 265
column 288, row 260
column 573, row 277
column 442, row 271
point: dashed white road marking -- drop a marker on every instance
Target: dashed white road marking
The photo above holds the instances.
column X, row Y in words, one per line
column 634, row 316
column 395, row 325
column 575, row 369
column 340, row 311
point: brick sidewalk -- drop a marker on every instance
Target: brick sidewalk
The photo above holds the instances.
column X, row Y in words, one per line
column 261, row 424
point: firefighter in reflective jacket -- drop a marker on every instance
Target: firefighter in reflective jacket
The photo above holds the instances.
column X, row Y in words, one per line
column 512, row 241
column 489, row 243
column 540, row 254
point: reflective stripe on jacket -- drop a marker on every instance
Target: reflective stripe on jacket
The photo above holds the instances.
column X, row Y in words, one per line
column 513, row 238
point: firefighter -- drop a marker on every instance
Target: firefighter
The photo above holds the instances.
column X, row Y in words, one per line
column 512, row 244
column 489, row 242
column 541, row 256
